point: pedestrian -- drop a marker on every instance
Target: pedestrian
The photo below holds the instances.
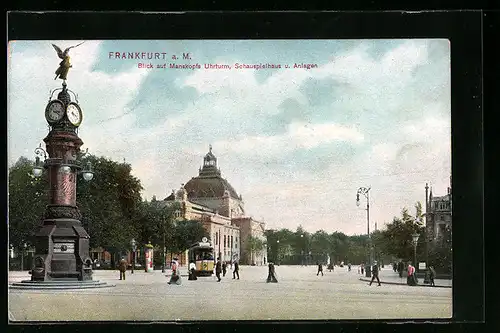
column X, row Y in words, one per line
column 411, row 280
column 224, row 268
column 218, row 269
column 320, row 268
column 122, row 266
column 349, row 267
column 236, row 269
column 362, row 268
column 192, row 271
column 175, row 278
column 400, row 268
column 375, row 273
column 271, row 277
column 432, row 275
column 330, row 267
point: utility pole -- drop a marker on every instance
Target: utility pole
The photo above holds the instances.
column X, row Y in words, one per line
column 163, row 250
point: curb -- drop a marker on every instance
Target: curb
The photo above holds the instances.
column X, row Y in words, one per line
column 404, row 284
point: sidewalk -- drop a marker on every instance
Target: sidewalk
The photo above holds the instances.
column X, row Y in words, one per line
column 18, row 276
column 388, row 276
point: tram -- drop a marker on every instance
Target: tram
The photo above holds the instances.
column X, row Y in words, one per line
column 202, row 254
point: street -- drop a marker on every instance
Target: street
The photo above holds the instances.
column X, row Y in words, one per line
column 300, row 294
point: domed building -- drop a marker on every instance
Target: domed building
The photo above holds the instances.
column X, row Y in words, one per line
column 212, row 200
column 211, row 190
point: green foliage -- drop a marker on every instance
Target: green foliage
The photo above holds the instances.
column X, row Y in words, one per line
column 109, row 204
column 255, row 245
column 28, row 197
column 440, row 255
column 188, row 232
column 397, row 239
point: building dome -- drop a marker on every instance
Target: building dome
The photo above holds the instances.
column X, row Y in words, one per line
column 209, row 182
column 203, row 187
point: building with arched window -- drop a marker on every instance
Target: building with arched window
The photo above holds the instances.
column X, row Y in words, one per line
column 438, row 215
column 210, row 199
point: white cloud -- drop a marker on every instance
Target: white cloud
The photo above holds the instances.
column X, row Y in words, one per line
column 298, row 136
column 400, row 139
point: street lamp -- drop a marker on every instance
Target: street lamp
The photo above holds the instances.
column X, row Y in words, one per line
column 302, row 252
column 366, row 192
column 415, row 242
column 22, row 256
column 134, row 248
column 278, row 254
column 87, row 172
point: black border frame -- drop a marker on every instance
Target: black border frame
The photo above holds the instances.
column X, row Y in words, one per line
column 462, row 28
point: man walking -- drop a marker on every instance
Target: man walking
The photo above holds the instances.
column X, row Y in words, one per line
column 432, row 275
column 375, row 273
column 400, row 268
column 122, row 266
column 224, row 268
column 320, row 268
column 236, row 269
column 218, row 269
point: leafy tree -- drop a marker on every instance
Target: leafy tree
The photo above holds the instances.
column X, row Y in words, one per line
column 397, row 238
column 188, row 232
column 109, row 204
column 254, row 245
column 440, row 255
column 28, row 197
column 320, row 245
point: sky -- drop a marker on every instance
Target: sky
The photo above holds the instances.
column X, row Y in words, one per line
column 296, row 143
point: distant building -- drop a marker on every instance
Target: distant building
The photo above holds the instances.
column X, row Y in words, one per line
column 210, row 199
column 438, row 215
column 249, row 228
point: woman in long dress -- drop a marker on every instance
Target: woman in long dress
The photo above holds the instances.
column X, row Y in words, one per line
column 271, row 277
column 192, row 271
column 175, row 278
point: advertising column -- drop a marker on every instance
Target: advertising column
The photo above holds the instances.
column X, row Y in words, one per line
column 148, row 255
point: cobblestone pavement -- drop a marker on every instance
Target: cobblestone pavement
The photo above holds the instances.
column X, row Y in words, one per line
column 300, row 294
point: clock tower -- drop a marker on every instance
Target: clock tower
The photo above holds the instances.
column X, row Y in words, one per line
column 62, row 244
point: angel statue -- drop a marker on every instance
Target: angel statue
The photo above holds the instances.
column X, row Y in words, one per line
column 64, row 65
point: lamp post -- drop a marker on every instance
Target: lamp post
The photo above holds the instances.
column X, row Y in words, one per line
column 366, row 192
column 134, row 248
column 278, row 250
column 415, row 242
column 302, row 252
column 22, row 256
column 163, row 249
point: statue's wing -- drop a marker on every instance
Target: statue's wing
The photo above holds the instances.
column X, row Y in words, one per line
column 58, row 50
column 67, row 50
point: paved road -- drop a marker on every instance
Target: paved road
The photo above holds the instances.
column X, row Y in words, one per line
column 300, row 294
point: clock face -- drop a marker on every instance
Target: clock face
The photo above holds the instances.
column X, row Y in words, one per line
column 74, row 114
column 54, row 111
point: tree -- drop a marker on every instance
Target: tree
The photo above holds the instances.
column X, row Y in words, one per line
column 254, row 245
column 109, row 204
column 187, row 233
column 320, row 245
column 397, row 238
column 28, row 197
column 440, row 255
